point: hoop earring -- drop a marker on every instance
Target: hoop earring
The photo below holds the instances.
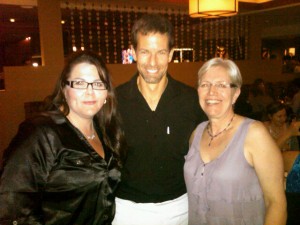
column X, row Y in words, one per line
column 105, row 101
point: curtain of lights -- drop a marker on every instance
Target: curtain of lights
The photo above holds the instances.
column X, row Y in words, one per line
column 105, row 28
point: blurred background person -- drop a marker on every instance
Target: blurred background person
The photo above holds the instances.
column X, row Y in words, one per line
column 242, row 105
column 234, row 169
column 63, row 166
column 259, row 99
column 282, row 126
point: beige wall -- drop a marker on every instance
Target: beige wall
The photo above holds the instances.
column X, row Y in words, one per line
column 24, row 84
column 269, row 70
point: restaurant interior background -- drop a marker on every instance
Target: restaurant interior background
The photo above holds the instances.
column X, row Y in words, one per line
column 262, row 39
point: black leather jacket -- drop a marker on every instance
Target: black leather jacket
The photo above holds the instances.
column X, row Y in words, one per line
column 52, row 175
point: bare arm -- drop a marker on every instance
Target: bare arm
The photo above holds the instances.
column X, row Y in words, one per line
column 264, row 155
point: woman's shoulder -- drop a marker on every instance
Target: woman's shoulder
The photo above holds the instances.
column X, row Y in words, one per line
column 202, row 125
column 257, row 127
column 31, row 135
column 258, row 137
column 38, row 125
column 46, row 118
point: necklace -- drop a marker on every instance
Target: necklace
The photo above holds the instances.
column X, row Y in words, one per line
column 92, row 136
column 212, row 137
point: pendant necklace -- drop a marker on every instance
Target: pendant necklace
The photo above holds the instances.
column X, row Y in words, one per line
column 92, row 136
column 212, row 137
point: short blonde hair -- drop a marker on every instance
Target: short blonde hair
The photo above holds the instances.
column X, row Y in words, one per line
column 231, row 68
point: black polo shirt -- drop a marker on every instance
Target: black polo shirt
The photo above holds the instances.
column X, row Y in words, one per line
column 157, row 140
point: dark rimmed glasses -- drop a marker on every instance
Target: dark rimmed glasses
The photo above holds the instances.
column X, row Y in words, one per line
column 80, row 84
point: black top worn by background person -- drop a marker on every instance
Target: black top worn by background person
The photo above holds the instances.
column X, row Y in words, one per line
column 69, row 182
column 157, row 141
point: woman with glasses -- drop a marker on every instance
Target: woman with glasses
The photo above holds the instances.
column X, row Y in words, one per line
column 234, row 169
column 63, row 166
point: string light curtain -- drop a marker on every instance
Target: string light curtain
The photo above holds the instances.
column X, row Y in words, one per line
column 106, row 29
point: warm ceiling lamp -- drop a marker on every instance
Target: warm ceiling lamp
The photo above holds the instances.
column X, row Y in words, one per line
column 255, row 1
column 212, row 8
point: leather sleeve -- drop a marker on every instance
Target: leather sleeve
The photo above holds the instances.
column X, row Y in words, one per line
column 27, row 161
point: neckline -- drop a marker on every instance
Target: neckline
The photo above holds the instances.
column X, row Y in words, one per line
column 227, row 146
column 151, row 103
column 212, row 136
column 91, row 137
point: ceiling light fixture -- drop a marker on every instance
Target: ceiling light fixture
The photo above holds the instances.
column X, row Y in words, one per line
column 217, row 8
column 212, row 8
column 255, row 1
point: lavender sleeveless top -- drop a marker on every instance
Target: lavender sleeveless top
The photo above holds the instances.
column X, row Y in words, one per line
column 225, row 191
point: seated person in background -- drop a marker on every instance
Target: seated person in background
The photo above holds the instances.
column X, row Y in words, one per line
column 283, row 131
column 291, row 161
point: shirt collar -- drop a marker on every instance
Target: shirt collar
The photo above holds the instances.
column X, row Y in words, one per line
column 170, row 91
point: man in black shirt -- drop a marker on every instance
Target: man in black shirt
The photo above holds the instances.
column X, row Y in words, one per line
column 159, row 115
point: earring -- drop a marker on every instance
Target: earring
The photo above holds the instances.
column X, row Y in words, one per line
column 105, row 101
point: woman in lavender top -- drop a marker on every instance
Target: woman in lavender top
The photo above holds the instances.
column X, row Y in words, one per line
column 234, row 169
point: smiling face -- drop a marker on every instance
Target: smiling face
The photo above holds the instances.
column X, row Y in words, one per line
column 152, row 55
column 217, row 100
column 84, row 103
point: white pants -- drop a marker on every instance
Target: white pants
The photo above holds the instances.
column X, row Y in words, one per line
column 173, row 212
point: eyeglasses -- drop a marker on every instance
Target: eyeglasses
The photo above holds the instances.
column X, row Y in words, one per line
column 79, row 84
column 218, row 85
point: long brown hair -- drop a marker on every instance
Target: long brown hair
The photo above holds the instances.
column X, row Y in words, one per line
column 107, row 117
